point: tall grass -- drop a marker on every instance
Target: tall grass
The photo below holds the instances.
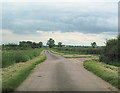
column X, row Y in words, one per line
column 10, row 57
column 107, row 72
column 14, row 75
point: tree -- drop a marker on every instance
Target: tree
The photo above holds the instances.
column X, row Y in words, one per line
column 24, row 44
column 111, row 51
column 51, row 42
column 34, row 45
column 118, row 46
column 94, row 44
column 59, row 44
column 40, row 44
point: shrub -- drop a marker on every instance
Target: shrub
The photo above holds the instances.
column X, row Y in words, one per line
column 111, row 52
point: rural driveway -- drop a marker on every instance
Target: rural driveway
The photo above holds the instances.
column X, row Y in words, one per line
column 61, row 74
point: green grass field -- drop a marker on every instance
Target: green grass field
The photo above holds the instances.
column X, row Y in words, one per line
column 15, row 74
column 66, row 54
column 108, row 73
column 79, row 50
column 10, row 57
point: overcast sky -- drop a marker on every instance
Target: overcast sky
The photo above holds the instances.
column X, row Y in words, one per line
column 73, row 22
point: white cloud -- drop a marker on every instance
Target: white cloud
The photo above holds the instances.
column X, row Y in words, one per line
column 68, row 38
column 61, row 0
column 84, row 16
column 6, row 32
column 88, row 17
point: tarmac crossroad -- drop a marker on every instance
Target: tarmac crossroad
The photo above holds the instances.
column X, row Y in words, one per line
column 60, row 74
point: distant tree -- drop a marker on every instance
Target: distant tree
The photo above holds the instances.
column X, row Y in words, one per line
column 59, row 44
column 12, row 45
column 29, row 42
column 34, row 45
column 51, row 42
column 3, row 44
column 24, row 44
column 118, row 45
column 40, row 44
column 94, row 44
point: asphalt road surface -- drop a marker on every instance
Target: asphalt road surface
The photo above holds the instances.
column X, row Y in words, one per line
column 61, row 74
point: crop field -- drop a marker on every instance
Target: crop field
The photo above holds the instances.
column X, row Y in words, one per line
column 10, row 57
column 79, row 50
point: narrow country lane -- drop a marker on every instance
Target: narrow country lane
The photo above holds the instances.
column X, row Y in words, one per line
column 61, row 74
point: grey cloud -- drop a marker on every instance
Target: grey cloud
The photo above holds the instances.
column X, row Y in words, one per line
column 26, row 18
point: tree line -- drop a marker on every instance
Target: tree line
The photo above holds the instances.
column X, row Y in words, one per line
column 30, row 44
column 51, row 43
column 22, row 45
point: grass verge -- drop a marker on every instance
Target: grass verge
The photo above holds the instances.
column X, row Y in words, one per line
column 67, row 55
column 15, row 74
column 106, row 72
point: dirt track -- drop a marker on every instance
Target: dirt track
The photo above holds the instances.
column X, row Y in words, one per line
column 61, row 74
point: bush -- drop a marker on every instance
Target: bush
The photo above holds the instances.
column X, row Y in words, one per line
column 111, row 52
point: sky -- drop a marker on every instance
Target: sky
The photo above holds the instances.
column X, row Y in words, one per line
column 72, row 22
